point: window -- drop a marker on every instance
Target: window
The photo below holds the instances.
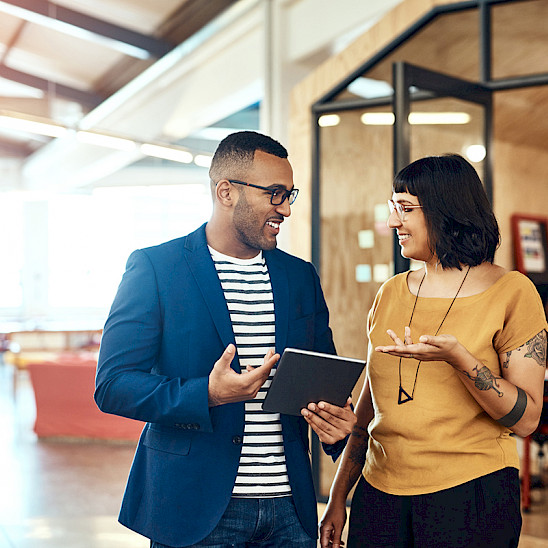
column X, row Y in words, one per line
column 91, row 236
column 12, row 249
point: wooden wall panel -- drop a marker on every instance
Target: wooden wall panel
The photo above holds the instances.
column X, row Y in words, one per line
column 460, row 32
column 520, row 35
column 520, row 161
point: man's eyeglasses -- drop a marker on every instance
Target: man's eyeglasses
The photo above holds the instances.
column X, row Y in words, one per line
column 277, row 195
column 401, row 209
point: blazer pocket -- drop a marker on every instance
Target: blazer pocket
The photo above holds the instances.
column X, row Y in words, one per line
column 301, row 333
column 168, row 441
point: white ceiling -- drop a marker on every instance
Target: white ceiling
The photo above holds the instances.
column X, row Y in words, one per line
column 61, row 60
column 190, row 65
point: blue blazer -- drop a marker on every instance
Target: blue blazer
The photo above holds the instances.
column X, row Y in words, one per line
column 168, row 325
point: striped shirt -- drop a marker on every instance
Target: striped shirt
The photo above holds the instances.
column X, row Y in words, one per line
column 262, row 472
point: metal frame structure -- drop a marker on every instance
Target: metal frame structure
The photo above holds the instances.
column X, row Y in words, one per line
column 432, row 84
column 437, row 84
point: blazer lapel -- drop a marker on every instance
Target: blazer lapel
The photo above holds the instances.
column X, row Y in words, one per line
column 280, row 291
column 201, row 265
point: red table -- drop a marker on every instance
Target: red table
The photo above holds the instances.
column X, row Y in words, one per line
column 63, row 389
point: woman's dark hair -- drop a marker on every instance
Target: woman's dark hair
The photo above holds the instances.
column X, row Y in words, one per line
column 462, row 228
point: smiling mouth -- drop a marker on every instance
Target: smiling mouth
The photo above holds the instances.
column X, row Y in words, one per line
column 275, row 225
column 403, row 237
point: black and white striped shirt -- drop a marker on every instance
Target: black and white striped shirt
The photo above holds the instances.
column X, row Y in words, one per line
column 246, row 284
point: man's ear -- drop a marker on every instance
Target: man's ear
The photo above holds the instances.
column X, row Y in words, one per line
column 225, row 193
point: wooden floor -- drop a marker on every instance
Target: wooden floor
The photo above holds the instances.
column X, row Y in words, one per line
column 67, row 494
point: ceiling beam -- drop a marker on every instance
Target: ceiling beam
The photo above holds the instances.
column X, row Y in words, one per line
column 11, row 42
column 184, row 22
column 12, row 149
column 190, row 17
column 86, row 98
column 47, row 13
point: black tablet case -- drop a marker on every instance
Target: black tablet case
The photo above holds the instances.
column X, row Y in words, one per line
column 303, row 377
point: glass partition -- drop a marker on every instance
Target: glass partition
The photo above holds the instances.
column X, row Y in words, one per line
column 449, row 44
column 519, row 38
column 355, row 179
column 448, row 125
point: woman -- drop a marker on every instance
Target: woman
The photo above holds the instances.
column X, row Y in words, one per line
column 457, row 357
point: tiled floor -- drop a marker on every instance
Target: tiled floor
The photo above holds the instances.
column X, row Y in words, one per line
column 57, row 494
column 67, row 494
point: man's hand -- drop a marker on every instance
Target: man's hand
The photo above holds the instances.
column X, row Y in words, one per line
column 227, row 386
column 330, row 422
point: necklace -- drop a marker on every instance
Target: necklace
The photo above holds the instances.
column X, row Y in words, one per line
column 403, row 396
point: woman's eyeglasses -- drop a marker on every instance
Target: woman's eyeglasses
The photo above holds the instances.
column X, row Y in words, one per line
column 401, row 209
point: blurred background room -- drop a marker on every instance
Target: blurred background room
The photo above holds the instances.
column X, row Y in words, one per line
column 110, row 111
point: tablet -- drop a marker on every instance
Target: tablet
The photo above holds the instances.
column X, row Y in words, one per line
column 303, row 377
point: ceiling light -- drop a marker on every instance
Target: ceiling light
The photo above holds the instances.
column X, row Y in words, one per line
column 368, row 88
column 31, row 124
column 417, row 118
column 475, row 153
column 450, row 118
column 329, row 120
column 378, row 118
column 167, row 153
column 203, row 160
column 44, row 126
column 104, row 140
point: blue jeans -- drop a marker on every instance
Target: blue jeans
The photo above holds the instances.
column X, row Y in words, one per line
column 256, row 523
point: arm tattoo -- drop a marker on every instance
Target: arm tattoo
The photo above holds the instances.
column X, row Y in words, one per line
column 357, row 454
column 484, row 380
column 360, row 432
column 536, row 348
column 517, row 411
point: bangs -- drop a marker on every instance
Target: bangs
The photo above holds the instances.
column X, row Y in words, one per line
column 411, row 179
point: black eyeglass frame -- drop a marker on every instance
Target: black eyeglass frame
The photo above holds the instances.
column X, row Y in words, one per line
column 290, row 195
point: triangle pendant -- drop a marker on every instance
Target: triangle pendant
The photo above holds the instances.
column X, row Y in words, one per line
column 403, row 396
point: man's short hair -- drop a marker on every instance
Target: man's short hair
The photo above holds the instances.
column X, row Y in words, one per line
column 235, row 154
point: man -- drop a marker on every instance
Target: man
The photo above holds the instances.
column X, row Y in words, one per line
column 189, row 347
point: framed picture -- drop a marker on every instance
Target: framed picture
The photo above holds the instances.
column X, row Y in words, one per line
column 530, row 236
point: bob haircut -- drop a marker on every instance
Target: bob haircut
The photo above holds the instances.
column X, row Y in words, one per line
column 462, row 228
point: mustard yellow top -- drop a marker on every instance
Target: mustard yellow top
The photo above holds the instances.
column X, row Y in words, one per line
column 442, row 438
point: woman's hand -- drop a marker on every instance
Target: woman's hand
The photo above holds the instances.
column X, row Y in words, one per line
column 429, row 348
column 332, row 524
